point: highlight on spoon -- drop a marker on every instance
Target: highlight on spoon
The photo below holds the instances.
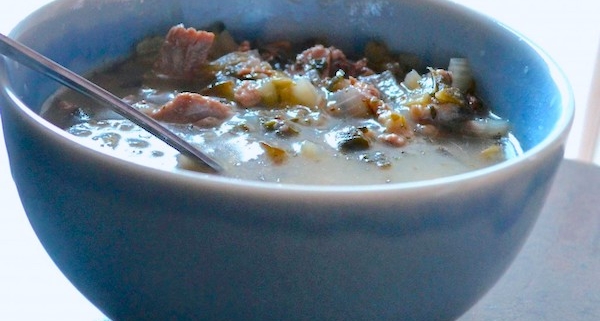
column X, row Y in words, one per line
column 24, row 55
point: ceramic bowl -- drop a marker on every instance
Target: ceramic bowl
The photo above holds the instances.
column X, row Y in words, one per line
column 149, row 244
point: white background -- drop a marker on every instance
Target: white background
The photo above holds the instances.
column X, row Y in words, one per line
column 32, row 288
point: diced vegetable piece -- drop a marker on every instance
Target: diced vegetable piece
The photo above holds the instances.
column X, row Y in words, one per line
column 304, row 93
column 351, row 138
column 412, row 79
column 493, row 152
column 285, row 92
column 462, row 76
column 268, row 93
column 283, row 87
column 449, row 95
column 428, row 83
column 311, row 150
column 492, row 128
column 281, row 127
column 388, row 86
column 223, row 89
column 394, row 122
column 349, row 102
column 276, row 155
column 277, row 91
column 270, row 125
column 418, row 99
column 337, row 82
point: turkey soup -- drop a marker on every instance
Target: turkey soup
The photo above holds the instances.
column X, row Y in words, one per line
column 289, row 113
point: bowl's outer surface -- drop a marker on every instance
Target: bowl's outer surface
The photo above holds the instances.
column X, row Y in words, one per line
column 147, row 244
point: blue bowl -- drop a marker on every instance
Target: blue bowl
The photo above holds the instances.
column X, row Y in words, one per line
column 148, row 244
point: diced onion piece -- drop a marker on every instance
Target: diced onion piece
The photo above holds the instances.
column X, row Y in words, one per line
column 491, row 128
column 462, row 76
column 350, row 102
column 386, row 83
column 411, row 80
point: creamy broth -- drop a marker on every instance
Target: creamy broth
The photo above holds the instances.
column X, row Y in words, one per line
column 302, row 128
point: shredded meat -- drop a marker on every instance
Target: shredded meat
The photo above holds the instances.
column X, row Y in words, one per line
column 183, row 52
column 192, row 108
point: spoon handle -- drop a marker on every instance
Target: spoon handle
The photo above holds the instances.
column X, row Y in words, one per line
column 30, row 58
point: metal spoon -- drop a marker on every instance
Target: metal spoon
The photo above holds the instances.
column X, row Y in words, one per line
column 34, row 60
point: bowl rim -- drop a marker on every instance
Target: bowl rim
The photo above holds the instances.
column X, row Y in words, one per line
column 555, row 139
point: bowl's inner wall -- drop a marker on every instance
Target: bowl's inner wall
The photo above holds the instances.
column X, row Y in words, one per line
column 511, row 77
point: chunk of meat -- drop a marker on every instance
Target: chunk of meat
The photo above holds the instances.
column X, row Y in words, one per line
column 248, row 94
column 183, row 52
column 328, row 60
column 242, row 65
column 192, row 108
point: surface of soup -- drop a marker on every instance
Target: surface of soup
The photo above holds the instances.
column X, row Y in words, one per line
column 271, row 112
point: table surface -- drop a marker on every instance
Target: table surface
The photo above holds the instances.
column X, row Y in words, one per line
column 555, row 277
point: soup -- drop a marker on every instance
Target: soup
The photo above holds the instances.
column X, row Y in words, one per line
column 292, row 113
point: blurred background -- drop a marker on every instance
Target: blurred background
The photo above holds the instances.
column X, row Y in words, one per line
column 32, row 288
